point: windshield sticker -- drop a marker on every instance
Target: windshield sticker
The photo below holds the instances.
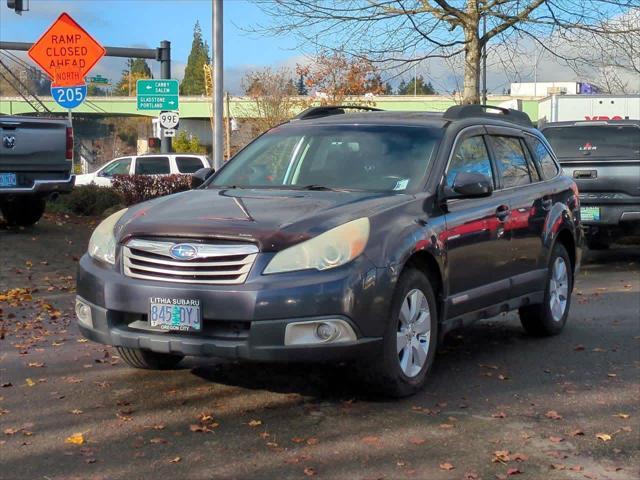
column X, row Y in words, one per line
column 401, row 184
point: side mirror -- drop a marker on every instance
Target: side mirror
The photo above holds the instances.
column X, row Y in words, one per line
column 201, row 176
column 470, row 185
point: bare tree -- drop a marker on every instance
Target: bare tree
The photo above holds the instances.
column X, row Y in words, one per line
column 273, row 95
column 397, row 33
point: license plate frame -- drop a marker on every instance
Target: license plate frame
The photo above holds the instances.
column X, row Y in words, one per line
column 8, row 179
column 590, row 214
column 175, row 314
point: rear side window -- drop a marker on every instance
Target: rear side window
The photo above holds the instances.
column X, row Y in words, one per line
column 471, row 156
column 543, row 159
column 152, row 166
column 188, row 164
column 602, row 141
column 511, row 161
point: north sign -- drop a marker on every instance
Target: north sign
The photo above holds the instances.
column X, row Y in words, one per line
column 66, row 52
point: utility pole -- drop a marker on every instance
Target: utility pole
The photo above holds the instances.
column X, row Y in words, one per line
column 218, row 105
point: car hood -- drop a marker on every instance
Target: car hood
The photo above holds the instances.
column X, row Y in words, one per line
column 272, row 219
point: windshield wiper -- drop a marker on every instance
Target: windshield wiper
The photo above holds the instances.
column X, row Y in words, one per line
column 314, row 186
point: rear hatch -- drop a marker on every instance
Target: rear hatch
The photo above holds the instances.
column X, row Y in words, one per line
column 33, row 144
column 602, row 157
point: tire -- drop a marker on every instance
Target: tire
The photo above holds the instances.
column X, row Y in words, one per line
column 23, row 212
column 393, row 374
column 146, row 359
column 542, row 320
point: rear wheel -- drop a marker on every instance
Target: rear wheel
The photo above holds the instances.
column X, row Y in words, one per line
column 23, row 211
column 410, row 340
column 137, row 358
column 550, row 316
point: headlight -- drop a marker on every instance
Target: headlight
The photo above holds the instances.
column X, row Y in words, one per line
column 331, row 249
column 102, row 244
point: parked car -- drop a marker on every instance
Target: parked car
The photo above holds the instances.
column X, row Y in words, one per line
column 603, row 157
column 36, row 156
column 156, row 164
column 342, row 236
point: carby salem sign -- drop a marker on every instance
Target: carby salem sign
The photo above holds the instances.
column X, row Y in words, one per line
column 604, row 117
column 66, row 52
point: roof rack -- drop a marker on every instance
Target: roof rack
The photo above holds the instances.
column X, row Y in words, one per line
column 459, row 112
column 325, row 111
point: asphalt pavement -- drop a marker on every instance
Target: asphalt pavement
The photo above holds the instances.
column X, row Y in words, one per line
column 499, row 404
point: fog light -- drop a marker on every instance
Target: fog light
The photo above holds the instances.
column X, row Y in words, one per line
column 83, row 312
column 314, row 332
column 325, row 331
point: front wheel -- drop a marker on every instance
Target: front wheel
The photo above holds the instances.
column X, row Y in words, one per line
column 23, row 211
column 550, row 317
column 146, row 359
column 410, row 339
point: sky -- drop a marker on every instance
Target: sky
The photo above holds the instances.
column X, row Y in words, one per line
column 144, row 23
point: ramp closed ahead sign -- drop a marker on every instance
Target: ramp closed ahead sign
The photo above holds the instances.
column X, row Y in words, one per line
column 66, row 52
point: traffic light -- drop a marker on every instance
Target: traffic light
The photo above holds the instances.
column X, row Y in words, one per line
column 154, row 142
column 18, row 5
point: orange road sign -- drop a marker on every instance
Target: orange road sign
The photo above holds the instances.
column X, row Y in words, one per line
column 66, row 52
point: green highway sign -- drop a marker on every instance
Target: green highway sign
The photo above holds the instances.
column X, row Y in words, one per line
column 99, row 79
column 157, row 94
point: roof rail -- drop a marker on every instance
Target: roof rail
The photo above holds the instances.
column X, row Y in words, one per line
column 507, row 114
column 325, row 111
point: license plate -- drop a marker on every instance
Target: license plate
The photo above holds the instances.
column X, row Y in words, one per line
column 590, row 214
column 8, row 180
column 181, row 314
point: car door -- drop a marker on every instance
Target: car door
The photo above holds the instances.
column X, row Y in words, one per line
column 119, row 166
column 529, row 199
column 474, row 237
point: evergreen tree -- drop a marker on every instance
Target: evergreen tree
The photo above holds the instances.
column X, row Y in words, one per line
column 193, row 81
column 388, row 89
column 416, row 85
column 137, row 69
column 301, row 86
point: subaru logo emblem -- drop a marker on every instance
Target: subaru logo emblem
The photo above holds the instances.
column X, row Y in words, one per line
column 183, row 251
column 9, row 141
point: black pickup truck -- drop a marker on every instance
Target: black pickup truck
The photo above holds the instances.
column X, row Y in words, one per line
column 36, row 157
column 603, row 157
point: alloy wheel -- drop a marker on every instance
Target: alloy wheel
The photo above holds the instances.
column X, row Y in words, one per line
column 414, row 333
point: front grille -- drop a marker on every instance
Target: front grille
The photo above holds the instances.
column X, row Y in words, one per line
column 213, row 264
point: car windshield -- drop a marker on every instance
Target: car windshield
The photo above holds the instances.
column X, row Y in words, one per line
column 602, row 141
column 345, row 157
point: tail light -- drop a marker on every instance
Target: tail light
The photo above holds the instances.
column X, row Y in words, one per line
column 69, row 154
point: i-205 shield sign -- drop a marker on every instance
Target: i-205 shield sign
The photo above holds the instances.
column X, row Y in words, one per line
column 69, row 97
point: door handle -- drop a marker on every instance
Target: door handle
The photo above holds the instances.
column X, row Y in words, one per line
column 503, row 212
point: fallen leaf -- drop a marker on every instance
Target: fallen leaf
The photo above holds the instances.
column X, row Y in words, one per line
column 605, row 437
column 499, row 415
column 76, row 411
column 556, row 439
column 624, row 416
column 158, row 440
column 503, row 377
column 30, row 382
column 446, row 426
column 417, row 441
column 579, row 348
column 75, row 439
column 255, row 423
column 577, row 433
column 446, row 466
column 297, row 440
column 312, row 441
column 514, row 471
column 35, row 364
column 471, row 476
column 175, row 460
column 309, row 471
column 553, row 415
column 501, row 456
column 519, row 457
column 371, row 440
column 612, row 375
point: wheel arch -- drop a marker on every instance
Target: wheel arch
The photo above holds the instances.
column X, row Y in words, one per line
column 426, row 262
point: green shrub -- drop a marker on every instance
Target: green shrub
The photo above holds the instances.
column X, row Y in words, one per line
column 87, row 200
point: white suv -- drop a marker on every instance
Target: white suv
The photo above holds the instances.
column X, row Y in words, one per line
column 156, row 164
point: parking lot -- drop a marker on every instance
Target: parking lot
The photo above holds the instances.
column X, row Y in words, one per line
column 498, row 403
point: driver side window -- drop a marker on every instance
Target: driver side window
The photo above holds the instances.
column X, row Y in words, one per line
column 119, row 167
column 471, row 156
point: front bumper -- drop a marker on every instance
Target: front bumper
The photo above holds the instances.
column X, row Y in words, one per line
column 246, row 321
